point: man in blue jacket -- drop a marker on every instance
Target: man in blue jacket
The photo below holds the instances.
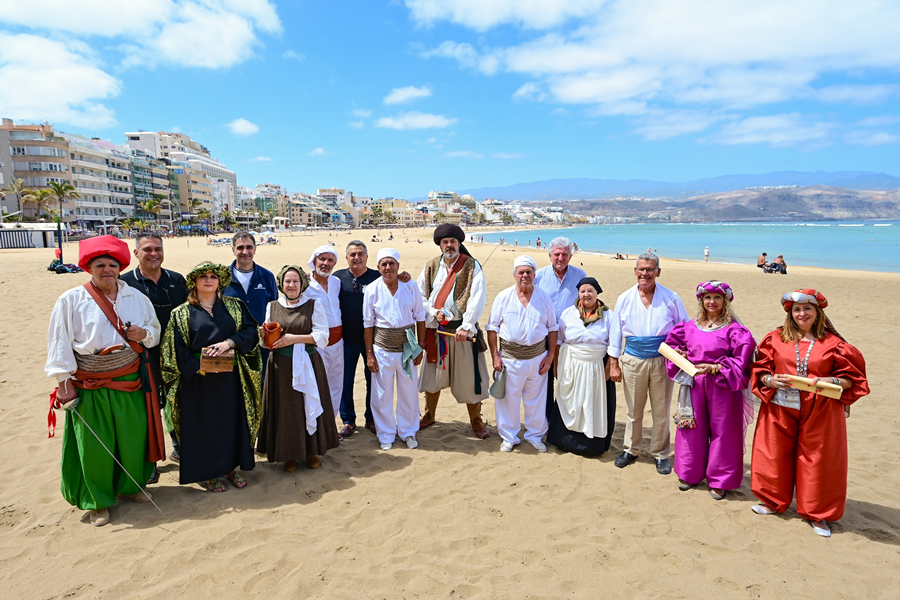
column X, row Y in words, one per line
column 253, row 284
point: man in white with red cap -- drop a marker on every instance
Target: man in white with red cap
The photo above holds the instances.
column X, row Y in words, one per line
column 325, row 288
column 522, row 316
column 394, row 334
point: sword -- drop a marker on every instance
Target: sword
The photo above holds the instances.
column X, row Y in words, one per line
column 91, row 429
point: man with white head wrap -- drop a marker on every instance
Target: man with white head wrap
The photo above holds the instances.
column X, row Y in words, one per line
column 325, row 289
column 392, row 311
column 523, row 319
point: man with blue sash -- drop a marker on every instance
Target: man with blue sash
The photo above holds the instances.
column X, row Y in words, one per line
column 646, row 312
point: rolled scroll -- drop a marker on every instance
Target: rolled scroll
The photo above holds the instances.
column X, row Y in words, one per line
column 823, row 388
column 677, row 359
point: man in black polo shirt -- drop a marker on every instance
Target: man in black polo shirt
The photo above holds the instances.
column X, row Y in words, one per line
column 353, row 283
column 166, row 290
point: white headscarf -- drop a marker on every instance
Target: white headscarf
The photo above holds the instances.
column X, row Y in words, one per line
column 387, row 253
column 524, row 261
column 320, row 250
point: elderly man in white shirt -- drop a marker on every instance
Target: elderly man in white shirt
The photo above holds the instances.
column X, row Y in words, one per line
column 392, row 310
column 325, row 289
column 523, row 319
column 646, row 313
column 454, row 291
column 559, row 280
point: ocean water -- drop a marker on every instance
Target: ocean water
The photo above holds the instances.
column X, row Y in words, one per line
column 855, row 245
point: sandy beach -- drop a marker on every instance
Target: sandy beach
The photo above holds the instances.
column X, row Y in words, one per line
column 455, row 518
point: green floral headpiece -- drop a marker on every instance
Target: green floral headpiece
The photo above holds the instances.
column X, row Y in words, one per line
column 221, row 271
column 304, row 279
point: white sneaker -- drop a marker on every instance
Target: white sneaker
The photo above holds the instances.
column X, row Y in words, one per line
column 539, row 446
column 386, row 447
column 821, row 528
column 506, row 447
column 411, row 443
column 761, row 509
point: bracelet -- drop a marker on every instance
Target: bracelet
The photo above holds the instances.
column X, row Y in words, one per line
column 836, row 380
column 767, row 380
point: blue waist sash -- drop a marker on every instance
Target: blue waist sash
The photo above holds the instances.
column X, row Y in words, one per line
column 644, row 346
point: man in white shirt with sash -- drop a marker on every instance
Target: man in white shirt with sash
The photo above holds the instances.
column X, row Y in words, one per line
column 325, row 289
column 455, row 292
column 646, row 313
column 522, row 319
column 394, row 334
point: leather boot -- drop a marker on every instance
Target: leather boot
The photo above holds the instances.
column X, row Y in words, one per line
column 481, row 432
column 431, row 402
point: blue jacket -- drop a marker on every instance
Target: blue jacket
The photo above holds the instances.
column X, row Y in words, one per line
column 261, row 291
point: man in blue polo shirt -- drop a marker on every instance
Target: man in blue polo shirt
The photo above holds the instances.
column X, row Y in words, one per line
column 253, row 284
column 559, row 280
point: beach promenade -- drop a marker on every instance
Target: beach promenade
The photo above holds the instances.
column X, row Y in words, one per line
column 455, row 518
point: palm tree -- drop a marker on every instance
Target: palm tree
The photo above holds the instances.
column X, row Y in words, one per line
column 62, row 191
column 41, row 198
column 140, row 225
column 150, row 206
column 226, row 218
column 18, row 189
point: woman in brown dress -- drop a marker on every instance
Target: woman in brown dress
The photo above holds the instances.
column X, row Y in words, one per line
column 297, row 420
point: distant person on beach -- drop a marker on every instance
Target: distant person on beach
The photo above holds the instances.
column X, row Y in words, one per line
column 706, row 254
column 538, row 242
column 762, row 262
column 782, row 265
column 559, row 280
column 574, row 248
column 647, row 313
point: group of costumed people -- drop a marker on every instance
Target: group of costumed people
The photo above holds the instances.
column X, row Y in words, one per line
column 556, row 349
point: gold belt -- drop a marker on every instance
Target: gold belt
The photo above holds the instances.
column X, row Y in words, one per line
column 521, row 351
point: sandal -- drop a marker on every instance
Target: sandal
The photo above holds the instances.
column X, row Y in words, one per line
column 215, row 486
column 236, row 480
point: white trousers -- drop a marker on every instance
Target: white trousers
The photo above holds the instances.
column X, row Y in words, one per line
column 390, row 369
column 523, row 383
column 333, row 357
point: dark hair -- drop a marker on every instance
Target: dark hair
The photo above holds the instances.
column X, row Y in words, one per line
column 241, row 235
column 143, row 236
column 357, row 243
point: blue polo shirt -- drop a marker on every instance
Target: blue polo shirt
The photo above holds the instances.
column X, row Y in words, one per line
column 262, row 290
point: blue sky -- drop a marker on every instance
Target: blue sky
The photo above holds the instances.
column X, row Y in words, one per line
column 398, row 98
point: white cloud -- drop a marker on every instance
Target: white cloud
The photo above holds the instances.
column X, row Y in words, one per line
column 507, row 156
column 774, row 130
column 662, row 124
column 462, row 154
column 407, row 94
column 878, row 121
column 293, row 55
column 638, row 58
column 261, row 159
column 415, row 120
column 319, row 152
column 356, row 124
column 69, row 88
column 362, row 112
column 242, row 127
column 868, row 138
column 482, row 15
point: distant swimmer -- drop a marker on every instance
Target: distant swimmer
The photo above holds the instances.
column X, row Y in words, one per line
column 706, row 254
column 762, row 262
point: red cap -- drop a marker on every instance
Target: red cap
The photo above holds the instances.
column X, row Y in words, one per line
column 91, row 248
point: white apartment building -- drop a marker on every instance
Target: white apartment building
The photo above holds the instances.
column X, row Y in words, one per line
column 102, row 176
column 335, row 197
column 181, row 148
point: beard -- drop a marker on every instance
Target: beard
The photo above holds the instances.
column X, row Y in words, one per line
column 451, row 254
column 323, row 272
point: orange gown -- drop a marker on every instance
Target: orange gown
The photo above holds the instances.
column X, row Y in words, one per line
column 806, row 448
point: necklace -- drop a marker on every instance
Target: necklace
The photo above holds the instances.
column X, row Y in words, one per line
column 711, row 324
column 803, row 365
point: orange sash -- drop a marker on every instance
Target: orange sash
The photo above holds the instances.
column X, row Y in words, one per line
column 431, row 341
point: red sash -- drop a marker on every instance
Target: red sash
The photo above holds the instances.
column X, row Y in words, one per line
column 335, row 334
column 156, row 443
column 431, row 341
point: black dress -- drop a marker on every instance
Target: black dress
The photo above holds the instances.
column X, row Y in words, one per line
column 215, row 435
column 575, row 441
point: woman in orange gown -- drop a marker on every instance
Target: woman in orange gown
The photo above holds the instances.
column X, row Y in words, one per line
column 801, row 437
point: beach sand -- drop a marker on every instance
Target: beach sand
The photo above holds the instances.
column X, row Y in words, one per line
column 455, row 518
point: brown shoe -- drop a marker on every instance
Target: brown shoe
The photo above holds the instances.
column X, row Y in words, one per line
column 347, row 430
column 370, row 425
column 482, row 434
column 313, row 461
column 290, row 466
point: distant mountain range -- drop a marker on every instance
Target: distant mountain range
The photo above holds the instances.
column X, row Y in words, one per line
column 585, row 189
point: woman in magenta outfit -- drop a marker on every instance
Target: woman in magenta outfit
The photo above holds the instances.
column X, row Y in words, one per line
column 713, row 408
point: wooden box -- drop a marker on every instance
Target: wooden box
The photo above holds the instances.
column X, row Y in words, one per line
column 223, row 363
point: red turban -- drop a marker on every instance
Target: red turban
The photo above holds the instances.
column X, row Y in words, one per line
column 808, row 296
column 109, row 245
